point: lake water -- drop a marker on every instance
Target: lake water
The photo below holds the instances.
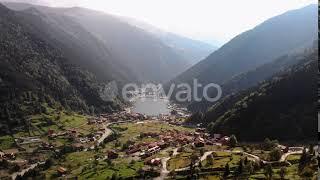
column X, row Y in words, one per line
column 150, row 106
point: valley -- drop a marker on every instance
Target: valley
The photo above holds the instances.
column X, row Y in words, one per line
column 81, row 97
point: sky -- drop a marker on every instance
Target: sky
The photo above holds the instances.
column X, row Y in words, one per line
column 215, row 21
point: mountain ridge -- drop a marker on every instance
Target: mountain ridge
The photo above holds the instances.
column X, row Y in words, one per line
column 235, row 57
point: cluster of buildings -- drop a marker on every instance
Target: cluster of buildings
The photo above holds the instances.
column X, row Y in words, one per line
column 175, row 138
column 123, row 116
column 8, row 154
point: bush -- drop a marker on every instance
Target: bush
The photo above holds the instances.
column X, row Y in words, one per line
column 275, row 154
column 268, row 144
column 233, row 141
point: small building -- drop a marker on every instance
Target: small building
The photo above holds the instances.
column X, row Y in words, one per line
column 77, row 146
column 112, row 155
column 91, row 121
column 217, row 136
column 1, row 154
column 46, row 146
column 10, row 153
column 50, row 132
column 224, row 140
column 154, row 162
column 61, row 171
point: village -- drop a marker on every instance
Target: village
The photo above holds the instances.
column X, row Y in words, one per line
column 169, row 137
column 20, row 159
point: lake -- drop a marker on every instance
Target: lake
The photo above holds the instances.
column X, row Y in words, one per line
column 151, row 107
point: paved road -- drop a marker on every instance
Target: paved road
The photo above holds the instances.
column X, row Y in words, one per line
column 106, row 133
column 285, row 156
column 175, row 152
column 257, row 158
column 164, row 171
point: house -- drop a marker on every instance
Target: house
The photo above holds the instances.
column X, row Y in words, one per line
column 61, row 171
column 151, row 145
column 217, row 136
column 154, row 150
column 283, row 148
column 163, row 145
column 46, row 146
column 91, row 121
column 112, row 155
column 224, row 140
column 200, row 130
column 154, row 162
column 133, row 150
column 77, row 146
column 199, row 143
column 50, row 132
column 10, row 153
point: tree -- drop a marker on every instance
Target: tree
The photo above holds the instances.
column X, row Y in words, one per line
column 240, row 167
column 275, row 154
column 303, row 159
column 250, row 167
column 202, row 151
column 226, row 171
column 282, row 172
column 210, row 160
column 268, row 144
column 195, row 118
column 117, row 144
column 7, row 112
column 311, row 150
column 268, row 172
column 48, row 163
column 92, row 110
column 109, row 162
column 114, row 176
column 197, row 171
column 233, row 141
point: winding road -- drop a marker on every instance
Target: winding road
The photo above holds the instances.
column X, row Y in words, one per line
column 256, row 158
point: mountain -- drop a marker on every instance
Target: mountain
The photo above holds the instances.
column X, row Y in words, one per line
column 253, row 77
column 284, row 107
column 36, row 75
column 191, row 50
column 263, row 44
column 77, row 44
column 144, row 54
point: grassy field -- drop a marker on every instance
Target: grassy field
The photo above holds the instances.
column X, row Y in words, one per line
column 74, row 162
column 57, row 121
column 133, row 130
column 221, row 159
column 84, row 166
column 182, row 160
column 6, row 142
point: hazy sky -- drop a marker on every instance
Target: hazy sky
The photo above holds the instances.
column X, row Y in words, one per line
column 199, row 19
